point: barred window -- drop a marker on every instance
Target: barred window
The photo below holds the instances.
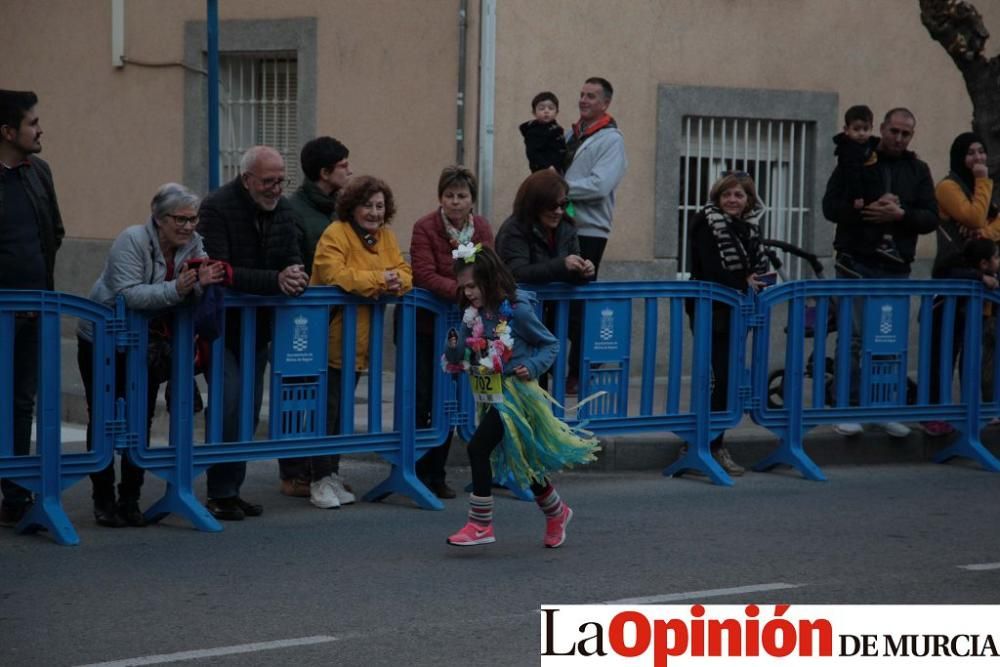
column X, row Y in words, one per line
column 258, row 104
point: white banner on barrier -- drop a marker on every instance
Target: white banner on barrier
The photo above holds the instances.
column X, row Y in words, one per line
column 662, row 635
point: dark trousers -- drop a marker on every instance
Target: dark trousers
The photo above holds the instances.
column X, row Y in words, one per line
column 592, row 248
column 225, row 479
column 957, row 342
column 488, row 435
column 720, row 365
column 321, row 466
column 315, row 468
column 25, row 388
column 430, row 468
column 103, row 482
column 851, row 267
column 957, row 347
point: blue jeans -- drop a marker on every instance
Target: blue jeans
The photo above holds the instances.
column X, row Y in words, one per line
column 225, row 479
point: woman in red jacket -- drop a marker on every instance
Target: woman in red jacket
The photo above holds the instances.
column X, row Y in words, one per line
column 434, row 237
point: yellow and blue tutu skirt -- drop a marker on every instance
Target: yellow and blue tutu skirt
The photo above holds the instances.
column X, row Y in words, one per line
column 535, row 441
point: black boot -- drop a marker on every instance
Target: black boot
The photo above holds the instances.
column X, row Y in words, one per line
column 106, row 514
column 130, row 515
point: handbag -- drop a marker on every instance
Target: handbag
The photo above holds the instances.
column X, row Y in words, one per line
column 159, row 350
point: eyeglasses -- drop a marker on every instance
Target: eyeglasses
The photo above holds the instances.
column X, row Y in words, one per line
column 268, row 183
column 561, row 204
column 737, row 174
column 183, row 220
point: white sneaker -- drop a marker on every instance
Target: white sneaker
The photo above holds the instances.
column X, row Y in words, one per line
column 849, row 429
column 323, row 495
column 895, row 429
column 343, row 495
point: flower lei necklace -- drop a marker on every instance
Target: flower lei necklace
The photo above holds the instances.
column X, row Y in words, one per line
column 493, row 352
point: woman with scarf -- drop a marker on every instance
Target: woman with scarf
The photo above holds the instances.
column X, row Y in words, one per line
column 359, row 254
column 434, row 238
column 725, row 245
column 968, row 211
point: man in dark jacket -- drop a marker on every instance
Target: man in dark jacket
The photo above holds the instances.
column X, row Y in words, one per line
column 327, row 170
column 31, row 231
column 325, row 166
column 907, row 209
column 248, row 224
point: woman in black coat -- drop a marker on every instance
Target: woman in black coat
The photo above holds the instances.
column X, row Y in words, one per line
column 539, row 245
column 725, row 246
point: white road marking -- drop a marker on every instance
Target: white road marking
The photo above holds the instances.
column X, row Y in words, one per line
column 710, row 593
column 214, row 652
column 979, row 567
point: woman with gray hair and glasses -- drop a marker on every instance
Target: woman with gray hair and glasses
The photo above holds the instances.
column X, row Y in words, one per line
column 151, row 266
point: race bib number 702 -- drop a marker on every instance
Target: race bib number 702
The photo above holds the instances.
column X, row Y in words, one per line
column 487, row 388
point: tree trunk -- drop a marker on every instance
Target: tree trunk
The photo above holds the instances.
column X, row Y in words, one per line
column 958, row 26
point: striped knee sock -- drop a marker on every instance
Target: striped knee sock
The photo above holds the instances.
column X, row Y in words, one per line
column 480, row 509
column 550, row 502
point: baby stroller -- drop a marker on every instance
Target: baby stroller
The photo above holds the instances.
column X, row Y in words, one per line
column 776, row 379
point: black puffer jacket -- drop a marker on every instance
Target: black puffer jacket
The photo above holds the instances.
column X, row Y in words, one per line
column 257, row 243
column 907, row 177
column 527, row 253
column 37, row 178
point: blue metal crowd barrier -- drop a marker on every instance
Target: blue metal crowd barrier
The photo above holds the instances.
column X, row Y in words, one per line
column 876, row 315
column 50, row 470
column 297, row 416
column 672, row 345
column 606, row 361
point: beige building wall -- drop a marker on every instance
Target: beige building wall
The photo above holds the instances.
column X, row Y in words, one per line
column 387, row 76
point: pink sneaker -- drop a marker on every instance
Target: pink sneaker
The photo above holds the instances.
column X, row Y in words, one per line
column 471, row 535
column 555, row 529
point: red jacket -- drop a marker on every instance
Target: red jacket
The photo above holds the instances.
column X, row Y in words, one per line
column 430, row 257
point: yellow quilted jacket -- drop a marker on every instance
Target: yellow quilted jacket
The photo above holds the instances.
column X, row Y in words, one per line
column 343, row 260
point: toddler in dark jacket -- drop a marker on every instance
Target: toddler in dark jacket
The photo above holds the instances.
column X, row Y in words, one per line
column 858, row 161
column 544, row 139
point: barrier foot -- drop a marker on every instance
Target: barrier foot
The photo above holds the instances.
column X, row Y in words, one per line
column 970, row 448
column 511, row 485
column 48, row 514
column 407, row 484
column 792, row 454
column 700, row 461
column 184, row 504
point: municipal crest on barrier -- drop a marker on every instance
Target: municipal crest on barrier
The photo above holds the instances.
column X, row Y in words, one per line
column 607, row 332
column 607, row 325
column 886, row 324
column 300, row 337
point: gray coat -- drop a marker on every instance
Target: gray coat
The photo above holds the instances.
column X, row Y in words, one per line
column 137, row 269
column 593, row 177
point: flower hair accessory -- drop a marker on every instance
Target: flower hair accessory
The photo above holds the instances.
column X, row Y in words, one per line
column 466, row 252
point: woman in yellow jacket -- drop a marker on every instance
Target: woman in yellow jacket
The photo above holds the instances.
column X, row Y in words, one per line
column 359, row 254
column 967, row 211
column 965, row 200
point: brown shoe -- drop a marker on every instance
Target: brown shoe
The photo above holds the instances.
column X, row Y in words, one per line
column 296, row 488
column 725, row 460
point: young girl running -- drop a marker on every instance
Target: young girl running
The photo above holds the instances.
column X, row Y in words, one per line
column 504, row 348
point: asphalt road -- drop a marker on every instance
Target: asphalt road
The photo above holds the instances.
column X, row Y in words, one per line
column 375, row 584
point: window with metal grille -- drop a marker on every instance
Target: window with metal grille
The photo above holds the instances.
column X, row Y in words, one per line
column 775, row 154
column 258, row 104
